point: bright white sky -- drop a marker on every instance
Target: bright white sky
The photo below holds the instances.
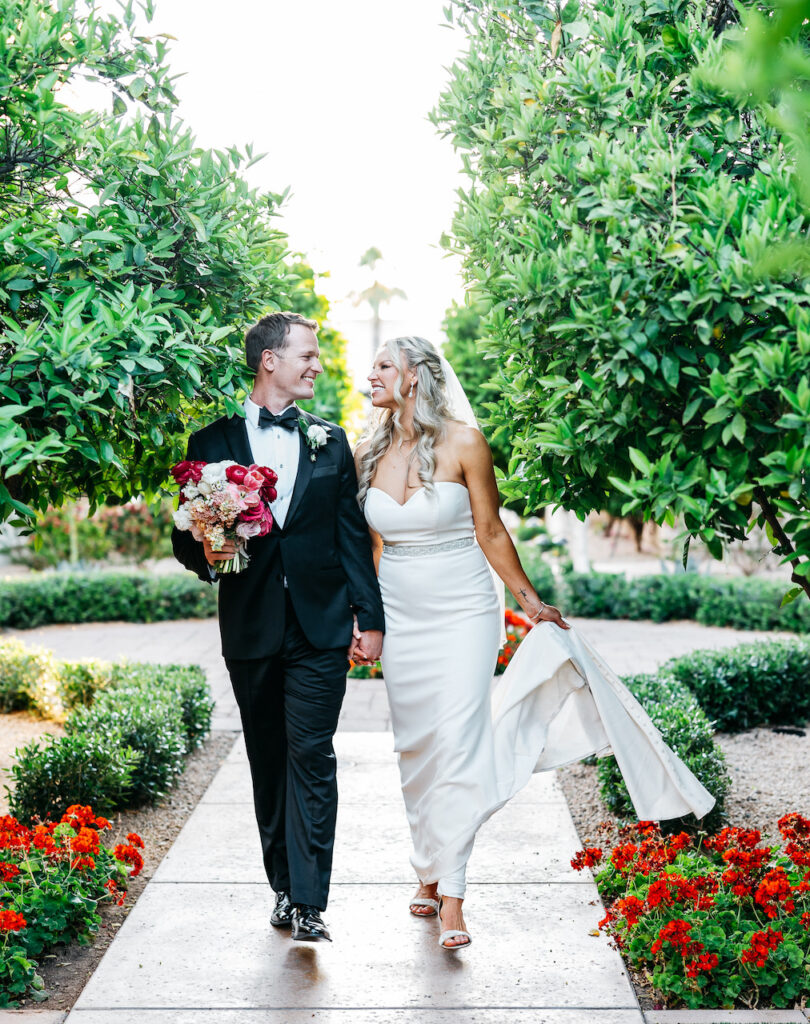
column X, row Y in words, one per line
column 337, row 95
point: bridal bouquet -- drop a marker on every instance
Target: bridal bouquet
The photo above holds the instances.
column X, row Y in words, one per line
column 225, row 501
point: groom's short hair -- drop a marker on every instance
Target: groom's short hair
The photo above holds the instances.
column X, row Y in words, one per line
column 271, row 332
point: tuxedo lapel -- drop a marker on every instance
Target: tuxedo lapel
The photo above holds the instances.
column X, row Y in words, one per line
column 304, row 474
column 235, row 428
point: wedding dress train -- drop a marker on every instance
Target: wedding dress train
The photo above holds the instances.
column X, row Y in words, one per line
column 465, row 748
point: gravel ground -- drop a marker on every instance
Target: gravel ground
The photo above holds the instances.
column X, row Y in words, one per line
column 770, row 775
column 66, row 970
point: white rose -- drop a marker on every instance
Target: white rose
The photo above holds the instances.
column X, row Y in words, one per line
column 191, row 490
column 214, row 473
column 182, row 519
column 317, row 435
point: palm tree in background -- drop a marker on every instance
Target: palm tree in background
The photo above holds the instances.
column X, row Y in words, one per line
column 376, row 295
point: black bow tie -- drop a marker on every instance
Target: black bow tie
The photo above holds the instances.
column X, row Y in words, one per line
column 287, row 419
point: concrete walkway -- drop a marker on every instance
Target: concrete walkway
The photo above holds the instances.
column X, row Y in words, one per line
column 197, row 947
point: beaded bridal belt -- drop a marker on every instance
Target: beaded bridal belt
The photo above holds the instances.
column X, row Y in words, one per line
column 428, row 549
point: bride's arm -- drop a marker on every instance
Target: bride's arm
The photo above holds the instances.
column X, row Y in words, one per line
column 376, row 539
column 479, row 475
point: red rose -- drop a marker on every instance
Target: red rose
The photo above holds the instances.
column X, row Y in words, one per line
column 185, row 471
column 252, row 514
column 268, row 494
column 266, row 523
column 267, row 473
column 235, row 474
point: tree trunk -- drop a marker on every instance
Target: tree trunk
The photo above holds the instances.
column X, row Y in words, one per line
column 785, row 547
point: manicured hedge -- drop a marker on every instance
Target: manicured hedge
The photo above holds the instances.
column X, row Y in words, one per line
column 129, row 728
column 104, row 597
column 685, row 728
column 142, row 597
column 751, row 684
column 736, row 603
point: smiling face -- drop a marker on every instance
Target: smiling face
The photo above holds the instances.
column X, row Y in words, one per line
column 294, row 370
column 383, row 380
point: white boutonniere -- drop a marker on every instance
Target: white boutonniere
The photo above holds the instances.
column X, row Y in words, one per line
column 316, row 436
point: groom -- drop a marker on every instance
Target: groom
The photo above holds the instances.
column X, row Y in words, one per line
column 307, row 600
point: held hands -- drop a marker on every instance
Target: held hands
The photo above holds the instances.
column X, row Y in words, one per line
column 366, row 646
column 228, row 550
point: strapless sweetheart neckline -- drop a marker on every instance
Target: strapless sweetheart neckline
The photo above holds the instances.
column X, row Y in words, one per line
column 402, row 504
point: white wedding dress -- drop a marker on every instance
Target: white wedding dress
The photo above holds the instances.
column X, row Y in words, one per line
column 464, row 748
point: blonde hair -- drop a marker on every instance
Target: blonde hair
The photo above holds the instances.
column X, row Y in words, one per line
column 430, row 414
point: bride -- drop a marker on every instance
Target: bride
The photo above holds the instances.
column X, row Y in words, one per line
column 428, row 491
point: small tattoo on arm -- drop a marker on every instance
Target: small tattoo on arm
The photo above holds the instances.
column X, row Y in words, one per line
column 523, row 593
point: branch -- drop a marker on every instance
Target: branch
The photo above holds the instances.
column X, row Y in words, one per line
column 769, row 514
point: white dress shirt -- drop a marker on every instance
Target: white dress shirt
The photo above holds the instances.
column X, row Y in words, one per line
column 277, row 449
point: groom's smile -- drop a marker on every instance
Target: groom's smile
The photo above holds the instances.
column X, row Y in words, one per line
column 293, row 370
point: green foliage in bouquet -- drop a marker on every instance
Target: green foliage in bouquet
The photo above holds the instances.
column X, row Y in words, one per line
column 618, row 205
column 131, row 259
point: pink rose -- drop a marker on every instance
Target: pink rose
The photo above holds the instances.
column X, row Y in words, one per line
column 235, row 474
column 253, row 480
column 248, row 530
column 266, row 523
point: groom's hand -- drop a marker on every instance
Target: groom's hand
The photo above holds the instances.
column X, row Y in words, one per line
column 228, row 550
column 368, row 647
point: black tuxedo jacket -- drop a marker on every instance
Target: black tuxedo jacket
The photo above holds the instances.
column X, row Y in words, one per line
column 323, row 550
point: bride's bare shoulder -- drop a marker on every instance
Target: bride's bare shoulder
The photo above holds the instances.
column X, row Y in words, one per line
column 463, row 438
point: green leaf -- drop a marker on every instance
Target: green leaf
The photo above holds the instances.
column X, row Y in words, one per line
column 671, row 370
column 18, row 284
column 640, row 461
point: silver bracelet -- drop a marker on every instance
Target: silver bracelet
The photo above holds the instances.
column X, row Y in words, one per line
column 538, row 613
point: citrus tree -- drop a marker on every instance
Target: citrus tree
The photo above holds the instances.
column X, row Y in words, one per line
column 130, row 261
column 618, row 204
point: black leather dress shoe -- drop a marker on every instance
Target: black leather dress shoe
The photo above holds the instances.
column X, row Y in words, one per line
column 282, row 913
column 307, row 924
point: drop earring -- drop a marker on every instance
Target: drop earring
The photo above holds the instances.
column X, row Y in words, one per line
column 410, row 393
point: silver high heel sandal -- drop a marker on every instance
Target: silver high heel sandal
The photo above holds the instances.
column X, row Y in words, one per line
column 452, row 933
column 423, row 901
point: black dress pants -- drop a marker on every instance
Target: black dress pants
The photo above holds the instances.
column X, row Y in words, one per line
column 289, row 704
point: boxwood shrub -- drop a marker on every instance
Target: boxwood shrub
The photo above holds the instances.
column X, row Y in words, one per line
column 103, row 597
column 138, row 719
column 737, row 603
column 25, row 672
column 51, row 774
column 750, row 684
column 129, row 727
column 685, row 728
